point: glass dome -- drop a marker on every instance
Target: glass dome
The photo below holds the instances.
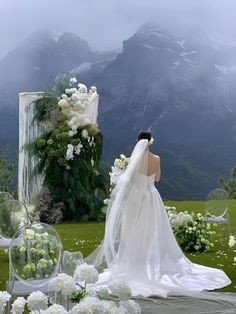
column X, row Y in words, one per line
column 13, row 215
column 5, row 196
column 35, row 254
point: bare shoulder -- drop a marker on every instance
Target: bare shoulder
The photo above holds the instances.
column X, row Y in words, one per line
column 155, row 156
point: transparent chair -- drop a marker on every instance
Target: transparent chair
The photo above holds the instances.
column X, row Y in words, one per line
column 216, row 209
column 70, row 260
column 34, row 258
column 13, row 215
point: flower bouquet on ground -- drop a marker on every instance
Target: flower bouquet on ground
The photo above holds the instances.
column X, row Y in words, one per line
column 191, row 231
column 77, row 294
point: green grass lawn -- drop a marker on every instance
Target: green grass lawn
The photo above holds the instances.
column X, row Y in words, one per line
column 85, row 237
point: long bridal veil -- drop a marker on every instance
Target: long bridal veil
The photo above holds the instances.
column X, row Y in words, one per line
column 106, row 254
column 121, row 228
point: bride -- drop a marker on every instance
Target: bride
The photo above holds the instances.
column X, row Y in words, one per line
column 139, row 245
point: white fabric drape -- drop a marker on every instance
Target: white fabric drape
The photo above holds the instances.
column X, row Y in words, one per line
column 28, row 185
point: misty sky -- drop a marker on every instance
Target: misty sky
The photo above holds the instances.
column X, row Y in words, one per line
column 105, row 23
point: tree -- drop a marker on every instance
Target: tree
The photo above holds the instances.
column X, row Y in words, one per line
column 6, row 175
column 230, row 184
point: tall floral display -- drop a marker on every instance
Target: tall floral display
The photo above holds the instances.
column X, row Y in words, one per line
column 68, row 153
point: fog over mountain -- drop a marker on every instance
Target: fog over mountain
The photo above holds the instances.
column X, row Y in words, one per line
column 105, row 24
column 175, row 77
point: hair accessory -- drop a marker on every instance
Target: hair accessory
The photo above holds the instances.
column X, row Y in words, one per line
column 151, row 141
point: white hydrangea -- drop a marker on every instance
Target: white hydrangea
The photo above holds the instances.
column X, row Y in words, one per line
column 18, row 306
column 37, row 300
column 177, row 219
column 4, row 298
column 121, row 289
column 103, row 293
column 108, row 307
column 93, row 89
column 55, row 309
column 70, row 152
column 87, row 273
column 129, row 307
column 73, row 80
column 63, row 283
column 82, row 88
column 88, row 305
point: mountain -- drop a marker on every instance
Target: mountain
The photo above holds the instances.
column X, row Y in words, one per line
column 180, row 87
column 32, row 66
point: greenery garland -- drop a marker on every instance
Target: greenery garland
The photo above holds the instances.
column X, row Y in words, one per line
column 69, row 162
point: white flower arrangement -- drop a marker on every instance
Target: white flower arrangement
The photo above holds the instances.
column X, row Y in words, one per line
column 177, row 219
column 4, row 298
column 86, row 273
column 119, row 167
column 120, row 289
column 54, row 309
column 91, row 305
column 74, row 104
column 63, row 283
column 70, row 152
column 18, row 306
column 109, row 307
column 101, row 301
column 78, row 148
column 195, row 234
column 37, row 301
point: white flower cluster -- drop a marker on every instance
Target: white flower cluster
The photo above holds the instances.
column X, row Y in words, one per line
column 119, row 167
column 177, row 219
column 120, row 289
column 87, row 273
column 93, row 305
column 37, row 301
column 63, row 283
column 54, row 309
column 4, row 298
column 74, row 103
column 71, row 149
column 18, row 306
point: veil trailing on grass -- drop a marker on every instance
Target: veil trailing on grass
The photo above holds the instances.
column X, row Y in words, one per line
column 106, row 253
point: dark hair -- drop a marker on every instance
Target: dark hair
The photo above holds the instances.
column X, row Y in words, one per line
column 144, row 135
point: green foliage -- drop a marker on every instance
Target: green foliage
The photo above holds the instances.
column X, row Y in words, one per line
column 76, row 183
column 6, row 175
column 230, row 184
column 195, row 234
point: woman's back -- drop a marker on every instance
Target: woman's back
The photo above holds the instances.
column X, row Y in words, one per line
column 154, row 166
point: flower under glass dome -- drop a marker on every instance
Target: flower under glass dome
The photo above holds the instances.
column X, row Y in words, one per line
column 35, row 253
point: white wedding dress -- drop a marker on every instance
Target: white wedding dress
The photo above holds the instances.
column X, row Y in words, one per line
column 139, row 245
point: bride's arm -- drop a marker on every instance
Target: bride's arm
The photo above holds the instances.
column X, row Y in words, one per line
column 158, row 175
